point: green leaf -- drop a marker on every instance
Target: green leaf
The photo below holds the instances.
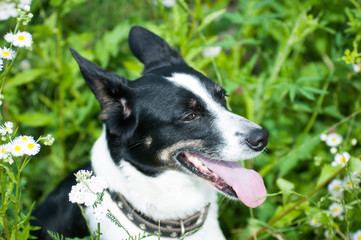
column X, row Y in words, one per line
column 36, row 119
column 55, row 2
column 326, row 172
column 333, row 111
column 287, row 219
column 9, row 172
column 306, row 93
column 293, row 91
column 355, row 165
column 24, row 232
column 284, row 185
column 25, row 77
column 234, row 17
column 210, row 18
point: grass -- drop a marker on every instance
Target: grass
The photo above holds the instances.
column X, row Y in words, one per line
column 287, row 65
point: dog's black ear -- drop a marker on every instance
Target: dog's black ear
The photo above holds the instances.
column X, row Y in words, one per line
column 152, row 50
column 113, row 94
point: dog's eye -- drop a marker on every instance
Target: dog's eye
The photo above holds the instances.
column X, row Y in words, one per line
column 190, row 117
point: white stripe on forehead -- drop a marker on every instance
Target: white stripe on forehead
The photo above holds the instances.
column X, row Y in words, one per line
column 194, row 85
column 231, row 127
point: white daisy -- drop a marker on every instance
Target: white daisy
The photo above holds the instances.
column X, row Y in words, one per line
column 333, row 140
column 354, row 142
column 9, row 37
column 4, row 151
column 166, row 3
column 211, row 51
column 341, row 159
column 333, row 150
column 7, row 10
column 335, row 188
column 315, row 223
column 31, row 147
column 7, row 53
column 352, row 181
column 323, row 137
column 7, row 128
column 25, row 138
column 336, row 210
column 356, row 235
column 329, row 234
column 25, row 65
column 22, row 39
column 17, row 148
column 357, row 67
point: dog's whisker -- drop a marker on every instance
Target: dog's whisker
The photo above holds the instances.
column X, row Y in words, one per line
column 138, row 143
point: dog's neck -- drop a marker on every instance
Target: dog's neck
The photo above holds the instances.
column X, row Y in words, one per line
column 169, row 195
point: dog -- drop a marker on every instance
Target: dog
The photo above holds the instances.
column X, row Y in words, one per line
column 169, row 144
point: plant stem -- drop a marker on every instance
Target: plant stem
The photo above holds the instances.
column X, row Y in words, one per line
column 314, row 114
column 2, row 203
column 17, row 199
column 86, row 221
column 193, row 25
column 61, row 91
column 165, row 19
column 114, row 219
column 98, row 231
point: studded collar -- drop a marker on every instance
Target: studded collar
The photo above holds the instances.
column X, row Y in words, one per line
column 173, row 228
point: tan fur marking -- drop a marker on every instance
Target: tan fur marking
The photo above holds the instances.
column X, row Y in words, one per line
column 166, row 154
column 192, row 103
column 148, row 141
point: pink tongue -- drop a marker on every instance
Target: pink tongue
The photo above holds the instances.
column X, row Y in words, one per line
column 248, row 184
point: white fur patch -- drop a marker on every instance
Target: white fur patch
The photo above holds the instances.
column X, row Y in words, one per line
column 167, row 196
column 231, row 127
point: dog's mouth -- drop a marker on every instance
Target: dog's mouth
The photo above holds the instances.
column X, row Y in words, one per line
column 230, row 178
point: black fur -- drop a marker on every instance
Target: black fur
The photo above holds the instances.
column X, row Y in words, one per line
column 58, row 214
column 159, row 55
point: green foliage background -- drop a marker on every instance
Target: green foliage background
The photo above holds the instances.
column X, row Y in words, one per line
column 281, row 64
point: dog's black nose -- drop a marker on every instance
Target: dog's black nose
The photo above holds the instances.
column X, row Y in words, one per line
column 257, row 139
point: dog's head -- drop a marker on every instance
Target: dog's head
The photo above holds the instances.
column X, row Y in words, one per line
column 173, row 117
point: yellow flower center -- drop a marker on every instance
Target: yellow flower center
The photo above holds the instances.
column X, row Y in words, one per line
column 336, row 210
column 6, row 128
column 359, row 68
column 31, row 146
column 359, row 238
column 336, row 188
column 17, row 148
column 24, row 138
column 350, row 185
column 334, row 139
column 343, row 159
column 6, row 53
column 3, row 151
column 21, row 38
column 315, row 221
